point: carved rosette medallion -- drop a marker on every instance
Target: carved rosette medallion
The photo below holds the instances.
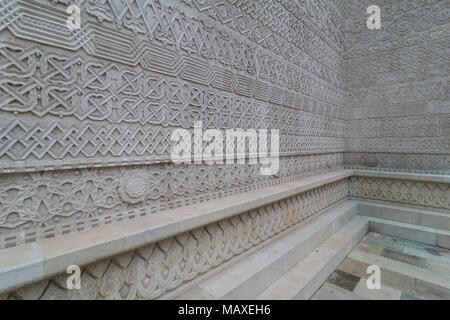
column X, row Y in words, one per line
column 134, row 186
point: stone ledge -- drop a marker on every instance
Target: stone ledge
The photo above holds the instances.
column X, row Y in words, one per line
column 424, row 216
column 437, row 178
column 35, row 261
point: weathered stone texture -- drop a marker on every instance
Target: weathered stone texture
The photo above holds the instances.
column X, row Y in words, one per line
column 398, row 87
column 86, row 118
column 86, row 115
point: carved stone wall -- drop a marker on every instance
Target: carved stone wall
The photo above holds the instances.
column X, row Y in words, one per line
column 397, row 78
column 86, row 116
column 431, row 195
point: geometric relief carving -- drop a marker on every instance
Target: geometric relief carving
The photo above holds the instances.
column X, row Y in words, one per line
column 101, row 102
column 38, row 204
column 419, row 134
column 84, row 143
column 400, row 94
column 87, row 115
column 408, row 23
column 68, row 85
column 405, row 162
column 398, row 86
column 427, row 60
column 65, row 84
column 186, row 43
column 269, row 24
column 428, row 194
column 21, row 140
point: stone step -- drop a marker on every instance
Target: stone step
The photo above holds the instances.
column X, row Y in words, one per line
column 330, row 291
column 419, row 216
column 402, row 277
column 414, row 253
column 249, row 276
column 412, row 232
column 345, row 286
column 306, row 277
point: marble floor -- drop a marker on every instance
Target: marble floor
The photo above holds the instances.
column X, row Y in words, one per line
column 409, row 270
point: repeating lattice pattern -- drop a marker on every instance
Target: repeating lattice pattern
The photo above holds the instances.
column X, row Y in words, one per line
column 404, row 162
column 397, row 81
column 46, row 204
column 430, row 195
column 110, row 94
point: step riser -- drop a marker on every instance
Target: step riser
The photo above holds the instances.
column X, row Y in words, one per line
column 425, row 235
column 421, row 217
column 323, row 275
column 264, row 278
column 273, row 261
column 305, row 278
column 398, row 279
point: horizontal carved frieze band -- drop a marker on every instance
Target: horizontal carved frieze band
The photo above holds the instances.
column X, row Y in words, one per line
column 63, row 84
column 286, row 29
column 402, row 27
column 58, row 143
column 110, row 43
column 424, row 162
column 425, row 61
column 417, row 193
column 45, row 204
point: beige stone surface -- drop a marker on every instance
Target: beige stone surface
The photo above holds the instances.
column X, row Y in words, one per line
column 195, row 294
column 244, row 280
column 331, row 292
column 86, row 174
column 402, row 268
column 384, row 293
column 408, row 271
